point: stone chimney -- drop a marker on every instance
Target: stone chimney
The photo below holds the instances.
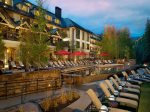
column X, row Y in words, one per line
column 58, row 12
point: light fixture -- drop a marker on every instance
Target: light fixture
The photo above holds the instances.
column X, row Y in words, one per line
column 8, row 50
column 145, row 65
column 66, row 39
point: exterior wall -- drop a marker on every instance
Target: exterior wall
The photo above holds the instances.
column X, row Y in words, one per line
column 71, row 31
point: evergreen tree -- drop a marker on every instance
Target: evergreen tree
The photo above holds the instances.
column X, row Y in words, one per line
column 146, row 40
column 34, row 48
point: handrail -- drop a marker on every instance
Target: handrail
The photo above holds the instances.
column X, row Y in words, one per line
column 9, row 89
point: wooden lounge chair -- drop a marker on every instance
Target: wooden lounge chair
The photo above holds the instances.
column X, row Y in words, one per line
column 122, row 101
column 127, row 89
column 125, row 83
column 121, row 94
column 97, row 103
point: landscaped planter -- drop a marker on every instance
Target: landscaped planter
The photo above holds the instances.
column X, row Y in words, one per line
column 58, row 103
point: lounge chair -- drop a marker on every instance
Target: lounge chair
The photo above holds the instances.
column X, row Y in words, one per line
column 125, row 83
column 97, row 103
column 122, row 101
column 139, row 76
column 148, row 71
column 127, row 89
column 13, row 65
column 142, row 73
column 121, row 94
column 131, row 80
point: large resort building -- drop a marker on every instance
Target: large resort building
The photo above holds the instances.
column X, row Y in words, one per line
column 18, row 15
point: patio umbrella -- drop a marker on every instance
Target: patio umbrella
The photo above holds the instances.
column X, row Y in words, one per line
column 83, row 53
column 104, row 54
column 77, row 53
column 62, row 52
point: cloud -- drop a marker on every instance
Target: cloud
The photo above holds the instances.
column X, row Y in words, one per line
column 95, row 14
column 81, row 7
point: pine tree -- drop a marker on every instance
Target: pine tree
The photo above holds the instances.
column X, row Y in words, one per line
column 146, row 40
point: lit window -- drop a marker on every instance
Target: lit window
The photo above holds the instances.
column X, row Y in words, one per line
column 25, row 8
column 36, row 12
column 57, row 21
column 49, row 18
column 8, row 2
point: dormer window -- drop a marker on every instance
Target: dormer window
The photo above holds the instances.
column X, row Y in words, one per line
column 48, row 17
column 36, row 13
column 23, row 7
column 8, row 2
column 57, row 21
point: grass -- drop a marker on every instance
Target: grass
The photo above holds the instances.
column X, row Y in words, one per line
column 144, row 104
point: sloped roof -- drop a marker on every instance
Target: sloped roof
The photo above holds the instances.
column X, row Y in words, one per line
column 66, row 22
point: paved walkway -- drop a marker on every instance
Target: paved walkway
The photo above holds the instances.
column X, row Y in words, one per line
column 10, row 102
column 81, row 104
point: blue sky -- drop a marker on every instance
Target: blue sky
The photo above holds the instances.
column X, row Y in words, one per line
column 96, row 14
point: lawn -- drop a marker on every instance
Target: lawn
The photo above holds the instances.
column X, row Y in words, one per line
column 144, row 104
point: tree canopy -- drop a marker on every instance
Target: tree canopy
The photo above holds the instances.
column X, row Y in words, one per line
column 117, row 43
column 34, row 46
column 142, row 46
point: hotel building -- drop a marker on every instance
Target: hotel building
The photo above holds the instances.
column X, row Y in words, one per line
column 18, row 15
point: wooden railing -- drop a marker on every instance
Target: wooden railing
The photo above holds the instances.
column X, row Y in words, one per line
column 10, row 89
column 26, row 83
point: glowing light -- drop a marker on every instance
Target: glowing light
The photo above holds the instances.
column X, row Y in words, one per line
column 66, row 39
column 8, row 50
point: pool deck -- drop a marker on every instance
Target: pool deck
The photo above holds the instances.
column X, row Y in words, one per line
column 81, row 104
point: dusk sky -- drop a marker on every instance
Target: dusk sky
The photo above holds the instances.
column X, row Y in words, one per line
column 96, row 14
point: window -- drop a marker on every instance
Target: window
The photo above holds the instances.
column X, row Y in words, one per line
column 8, row 2
column 57, row 21
column 77, row 44
column 88, row 38
column 36, row 12
column 82, row 35
column 88, row 46
column 49, row 18
column 77, row 33
column 25, row 8
column 82, row 45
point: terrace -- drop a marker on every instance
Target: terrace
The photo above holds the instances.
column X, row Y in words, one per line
column 68, row 88
column 52, row 64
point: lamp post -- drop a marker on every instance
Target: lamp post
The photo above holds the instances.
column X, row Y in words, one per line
column 48, row 86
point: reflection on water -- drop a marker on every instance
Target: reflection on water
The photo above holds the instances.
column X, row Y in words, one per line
column 106, row 70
